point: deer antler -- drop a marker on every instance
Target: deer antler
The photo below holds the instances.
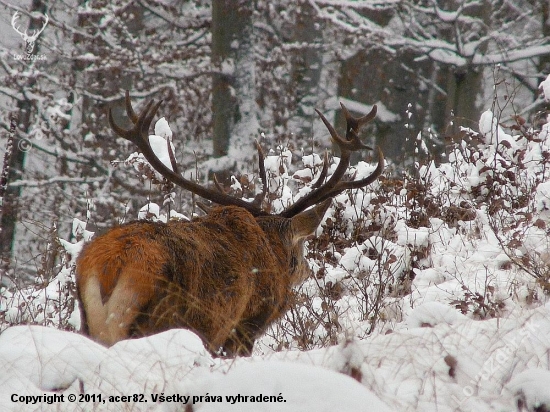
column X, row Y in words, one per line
column 321, row 191
column 258, row 199
column 347, row 145
column 139, row 135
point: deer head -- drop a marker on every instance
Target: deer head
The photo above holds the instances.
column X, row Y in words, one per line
column 227, row 275
column 29, row 39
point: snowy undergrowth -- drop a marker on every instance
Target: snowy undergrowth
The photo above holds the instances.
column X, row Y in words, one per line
column 428, row 292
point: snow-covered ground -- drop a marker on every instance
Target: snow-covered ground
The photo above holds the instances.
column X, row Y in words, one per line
column 455, row 364
column 441, row 305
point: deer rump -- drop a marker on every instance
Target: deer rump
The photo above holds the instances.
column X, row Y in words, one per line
column 225, row 276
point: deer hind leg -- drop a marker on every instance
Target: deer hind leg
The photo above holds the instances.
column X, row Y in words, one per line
column 110, row 321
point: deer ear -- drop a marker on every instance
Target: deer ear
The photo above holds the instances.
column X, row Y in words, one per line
column 305, row 223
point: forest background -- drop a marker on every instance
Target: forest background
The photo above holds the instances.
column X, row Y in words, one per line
column 230, row 72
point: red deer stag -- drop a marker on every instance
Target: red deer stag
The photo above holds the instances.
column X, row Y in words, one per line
column 226, row 276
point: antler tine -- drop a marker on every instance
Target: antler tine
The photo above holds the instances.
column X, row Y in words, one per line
column 118, row 130
column 330, row 128
column 348, row 145
column 146, row 118
column 129, row 109
column 259, row 198
column 355, row 123
column 323, row 174
column 261, row 167
column 351, row 142
column 356, row 184
column 218, row 184
column 138, row 135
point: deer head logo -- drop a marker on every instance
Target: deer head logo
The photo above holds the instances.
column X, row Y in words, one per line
column 29, row 39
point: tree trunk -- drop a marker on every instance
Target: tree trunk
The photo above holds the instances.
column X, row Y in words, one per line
column 465, row 83
column 233, row 86
column 462, row 91
column 544, row 62
column 306, row 68
column 17, row 160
